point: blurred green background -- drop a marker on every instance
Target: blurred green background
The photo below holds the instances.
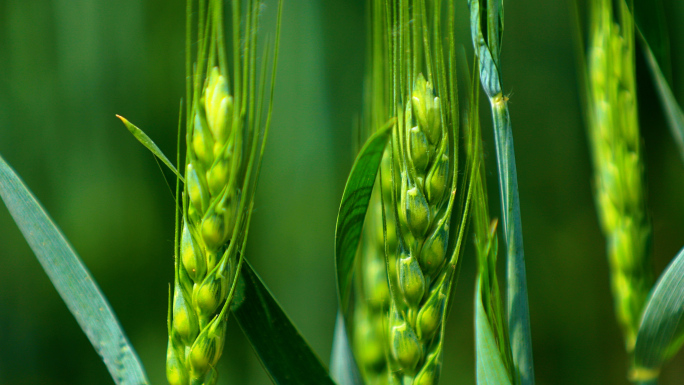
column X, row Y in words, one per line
column 67, row 66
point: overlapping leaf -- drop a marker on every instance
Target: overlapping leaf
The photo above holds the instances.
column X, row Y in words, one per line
column 489, row 364
column 350, row 218
column 352, row 212
column 518, row 309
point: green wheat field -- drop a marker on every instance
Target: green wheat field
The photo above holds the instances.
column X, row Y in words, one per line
column 67, row 67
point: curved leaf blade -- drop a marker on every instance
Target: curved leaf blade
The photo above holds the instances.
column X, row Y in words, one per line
column 352, row 212
column 488, row 362
column 71, row 279
column 661, row 333
column 282, row 350
column 150, row 145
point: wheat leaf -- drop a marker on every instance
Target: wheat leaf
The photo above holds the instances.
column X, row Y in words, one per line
column 661, row 333
column 649, row 17
column 650, row 21
column 343, row 368
column 352, row 212
column 488, row 362
column 72, row 280
column 673, row 113
column 150, row 145
column 282, row 350
column 490, row 77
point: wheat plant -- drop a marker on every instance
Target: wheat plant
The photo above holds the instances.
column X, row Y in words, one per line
column 649, row 315
column 225, row 138
column 413, row 184
column 422, row 179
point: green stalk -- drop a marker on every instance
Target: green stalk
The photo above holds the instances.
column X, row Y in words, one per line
column 517, row 303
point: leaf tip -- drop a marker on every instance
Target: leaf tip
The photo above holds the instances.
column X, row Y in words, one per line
column 128, row 124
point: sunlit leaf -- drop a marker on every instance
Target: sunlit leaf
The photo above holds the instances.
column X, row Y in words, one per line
column 150, row 145
column 71, row 279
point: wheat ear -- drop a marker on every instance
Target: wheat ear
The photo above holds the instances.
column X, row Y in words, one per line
column 617, row 156
column 424, row 164
column 225, row 139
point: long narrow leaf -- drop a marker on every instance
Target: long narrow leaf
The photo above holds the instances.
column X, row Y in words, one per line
column 518, row 308
column 71, row 279
column 352, row 212
column 282, row 350
column 673, row 113
column 150, row 145
column 516, row 280
column 661, row 333
column 650, row 21
column 490, row 366
column 649, row 17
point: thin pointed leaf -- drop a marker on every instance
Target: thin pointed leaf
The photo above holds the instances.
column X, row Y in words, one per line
column 490, row 366
column 661, row 333
column 150, row 145
column 352, row 212
column 343, row 368
column 673, row 113
column 649, row 17
column 650, row 21
column 71, row 279
column 282, row 350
